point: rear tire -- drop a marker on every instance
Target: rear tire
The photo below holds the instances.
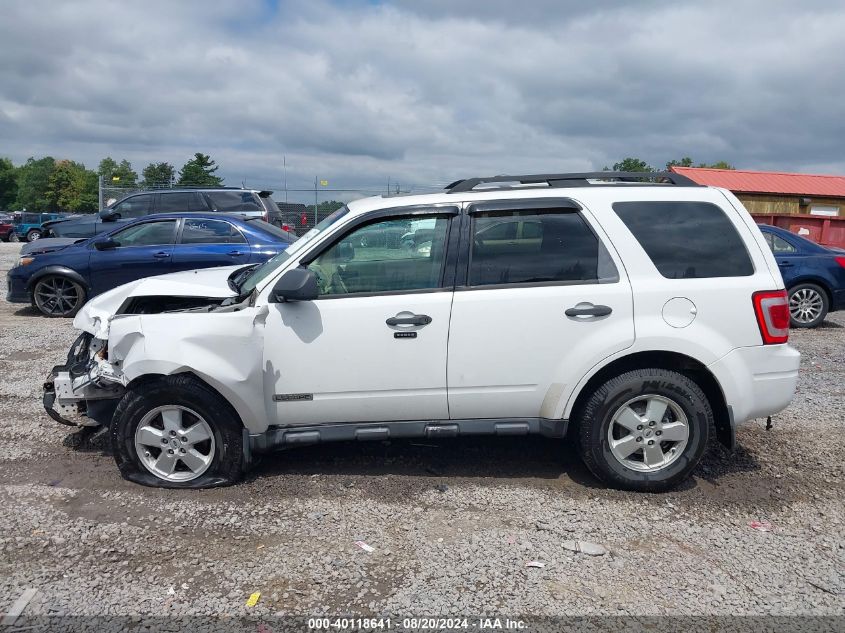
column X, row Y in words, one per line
column 177, row 432
column 645, row 430
column 808, row 305
column 34, row 234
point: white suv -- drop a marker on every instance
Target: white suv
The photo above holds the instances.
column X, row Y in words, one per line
column 639, row 319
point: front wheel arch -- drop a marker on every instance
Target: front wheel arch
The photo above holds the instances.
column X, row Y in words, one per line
column 235, row 458
column 62, row 271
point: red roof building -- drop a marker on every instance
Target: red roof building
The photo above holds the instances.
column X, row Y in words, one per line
column 766, row 192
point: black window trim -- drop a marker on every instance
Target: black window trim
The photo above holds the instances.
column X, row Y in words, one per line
column 184, row 221
column 447, row 274
column 521, row 204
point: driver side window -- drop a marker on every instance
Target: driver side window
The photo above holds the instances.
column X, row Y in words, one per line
column 399, row 254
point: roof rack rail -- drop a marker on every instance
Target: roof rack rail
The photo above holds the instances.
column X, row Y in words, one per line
column 584, row 179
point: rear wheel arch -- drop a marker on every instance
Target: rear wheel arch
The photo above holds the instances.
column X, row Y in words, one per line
column 673, row 361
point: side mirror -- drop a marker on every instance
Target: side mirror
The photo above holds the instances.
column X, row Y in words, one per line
column 298, row 284
column 109, row 215
column 105, row 244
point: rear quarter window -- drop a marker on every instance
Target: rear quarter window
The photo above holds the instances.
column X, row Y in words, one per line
column 233, row 201
column 687, row 240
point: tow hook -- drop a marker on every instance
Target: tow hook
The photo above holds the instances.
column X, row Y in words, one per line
column 768, row 423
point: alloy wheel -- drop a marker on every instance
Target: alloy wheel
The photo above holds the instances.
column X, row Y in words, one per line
column 57, row 296
column 648, row 433
column 174, row 443
column 805, row 305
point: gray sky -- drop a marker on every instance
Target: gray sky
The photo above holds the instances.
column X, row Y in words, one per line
column 423, row 92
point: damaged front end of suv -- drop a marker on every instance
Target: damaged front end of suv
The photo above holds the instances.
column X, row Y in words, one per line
column 112, row 351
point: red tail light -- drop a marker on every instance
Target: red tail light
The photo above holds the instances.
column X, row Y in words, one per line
column 772, row 310
column 840, row 261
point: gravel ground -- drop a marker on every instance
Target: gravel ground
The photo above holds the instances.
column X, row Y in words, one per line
column 453, row 523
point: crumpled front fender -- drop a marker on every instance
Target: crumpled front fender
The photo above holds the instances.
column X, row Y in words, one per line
column 224, row 349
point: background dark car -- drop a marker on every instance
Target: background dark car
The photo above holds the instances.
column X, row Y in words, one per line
column 814, row 275
column 221, row 200
column 6, row 228
column 58, row 282
column 29, row 227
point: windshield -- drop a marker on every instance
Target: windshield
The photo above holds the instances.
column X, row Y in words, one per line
column 266, row 269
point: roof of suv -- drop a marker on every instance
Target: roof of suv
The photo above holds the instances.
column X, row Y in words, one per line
column 663, row 185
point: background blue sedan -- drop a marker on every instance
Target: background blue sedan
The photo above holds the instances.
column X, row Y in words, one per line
column 59, row 281
column 813, row 275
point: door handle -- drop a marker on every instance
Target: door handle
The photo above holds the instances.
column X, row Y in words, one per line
column 784, row 264
column 588, row 309
column 234, row 253
column 161, row 255
column 416, row 319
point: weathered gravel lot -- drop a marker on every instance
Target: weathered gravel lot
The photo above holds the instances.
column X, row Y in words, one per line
column 453, row 523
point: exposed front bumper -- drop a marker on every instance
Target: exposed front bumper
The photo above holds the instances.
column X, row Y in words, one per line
column 72, row 390
column 758, row 381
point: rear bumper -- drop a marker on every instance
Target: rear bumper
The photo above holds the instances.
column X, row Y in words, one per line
column 758, row 381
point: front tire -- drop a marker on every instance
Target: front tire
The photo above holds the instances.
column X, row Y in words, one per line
column 177, row 432
column 645, row 430
column 57, row 296
column 13, row 237
column 808, row 305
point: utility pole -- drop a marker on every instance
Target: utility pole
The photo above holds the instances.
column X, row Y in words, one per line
column 388, row 185
column 100, row 192
column 315, row 200
column 285, row 166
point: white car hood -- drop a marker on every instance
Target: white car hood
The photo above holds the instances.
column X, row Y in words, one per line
column 95, row 316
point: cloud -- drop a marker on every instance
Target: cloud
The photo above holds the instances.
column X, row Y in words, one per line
column 422, row 93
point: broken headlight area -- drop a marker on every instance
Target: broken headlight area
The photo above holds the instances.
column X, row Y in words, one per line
column 86, row 385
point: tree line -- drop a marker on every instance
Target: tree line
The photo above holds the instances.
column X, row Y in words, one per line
column 638, row 165
column 47, row 184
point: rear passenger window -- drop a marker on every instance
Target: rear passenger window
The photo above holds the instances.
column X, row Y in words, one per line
column 198, row 231
column 536, row 246
column 181, row 201
column 687, row 240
